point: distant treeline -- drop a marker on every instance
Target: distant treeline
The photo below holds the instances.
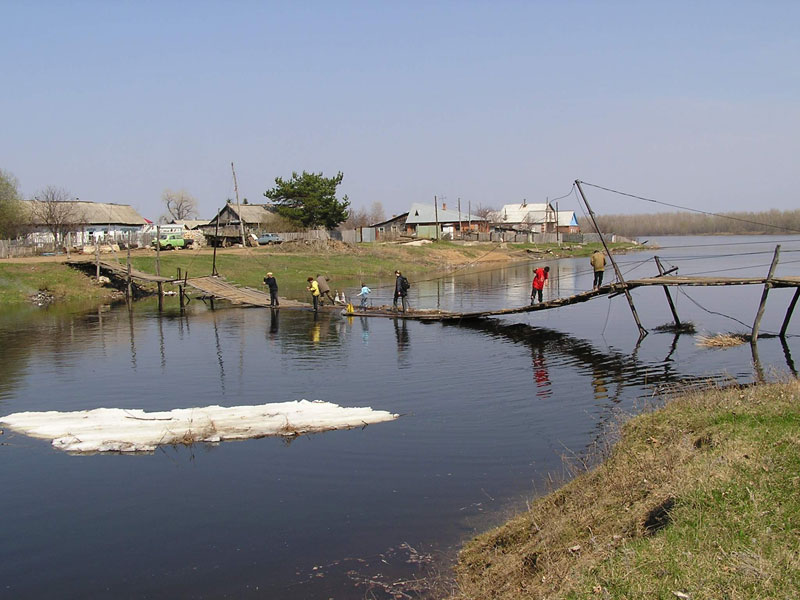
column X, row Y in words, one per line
column 683, row 223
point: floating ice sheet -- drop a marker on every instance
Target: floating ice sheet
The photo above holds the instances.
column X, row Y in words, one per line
column 134, row 430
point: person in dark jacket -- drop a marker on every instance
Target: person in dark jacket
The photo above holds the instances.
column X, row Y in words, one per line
column 401, row 286
column 272, row 284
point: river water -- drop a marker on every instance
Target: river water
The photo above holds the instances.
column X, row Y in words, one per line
column 489, row 409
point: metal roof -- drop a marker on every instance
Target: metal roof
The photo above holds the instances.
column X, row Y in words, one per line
column 95, row 213
column 425, row 213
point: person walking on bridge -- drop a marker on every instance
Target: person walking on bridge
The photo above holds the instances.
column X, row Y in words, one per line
column 401, row 286
column 598, row 261
column 272, row 284
column 539, row 280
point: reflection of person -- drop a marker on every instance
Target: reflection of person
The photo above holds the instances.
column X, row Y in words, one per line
column 273, row 322
column 401, row 331
column 365, row 291
column 539, row 280
column 598, row 260
column 313, row 287
column 272, row 284
column 401, row 286
column 540, row 374
column 324, row 288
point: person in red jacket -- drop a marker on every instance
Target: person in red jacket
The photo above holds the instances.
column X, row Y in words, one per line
column 539, row 280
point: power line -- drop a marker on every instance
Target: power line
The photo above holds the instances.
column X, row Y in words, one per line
column 696, row 210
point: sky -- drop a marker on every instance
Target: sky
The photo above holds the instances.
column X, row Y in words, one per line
column 691, row 103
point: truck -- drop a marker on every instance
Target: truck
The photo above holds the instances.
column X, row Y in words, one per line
column 171, row 241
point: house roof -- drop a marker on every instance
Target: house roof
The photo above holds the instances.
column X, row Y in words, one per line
column 528, row 213
column 191, row 223
column 400, row 217
column 424, row 213
column 96, row 213
column 566, row 218
column 249, row 213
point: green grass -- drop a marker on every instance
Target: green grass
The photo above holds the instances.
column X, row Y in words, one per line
column 725, row 466
column 19, row 281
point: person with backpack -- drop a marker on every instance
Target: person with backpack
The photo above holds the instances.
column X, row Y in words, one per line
column 539, row 280
column 401, row 286
column 272, row 284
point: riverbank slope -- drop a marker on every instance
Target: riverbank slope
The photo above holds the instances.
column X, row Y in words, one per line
column 699, row 499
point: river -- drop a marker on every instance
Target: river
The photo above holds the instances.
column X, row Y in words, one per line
column 489, row 411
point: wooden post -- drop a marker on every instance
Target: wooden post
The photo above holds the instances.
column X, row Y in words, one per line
column 238, row 208
column 767, row 286
column 160, row 296
column 460, row 231
column 128, row 290
column 214, row 272
column 69, row 242
column 666, row 291
column 642, row 330
column 97, row 256
column 789, row 312
column 158, row 249
column 436, row 215
column 180, row 296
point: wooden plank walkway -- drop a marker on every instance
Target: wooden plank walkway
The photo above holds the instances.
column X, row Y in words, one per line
column 120, row 270
column 218, row 287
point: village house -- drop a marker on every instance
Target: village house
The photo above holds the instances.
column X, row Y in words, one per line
column 528, row 217
column 79, row 222
column 227, row 225
column 424, row 220
column 567, row 222
column 390, row 228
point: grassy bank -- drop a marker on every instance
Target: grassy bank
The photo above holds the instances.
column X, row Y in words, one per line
column 346, row 265
column 700, row 498
column 19, row 282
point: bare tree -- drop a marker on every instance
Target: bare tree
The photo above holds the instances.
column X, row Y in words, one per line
column 483, row 211
column 376, row 213
column 180, row 205
column 53, row 208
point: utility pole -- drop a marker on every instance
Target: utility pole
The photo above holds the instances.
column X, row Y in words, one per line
column 238, row 208
column 460, row 231
column 436, row 215
column 642, row 330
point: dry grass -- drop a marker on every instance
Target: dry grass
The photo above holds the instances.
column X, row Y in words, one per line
column 721, row 340
column 700, row 497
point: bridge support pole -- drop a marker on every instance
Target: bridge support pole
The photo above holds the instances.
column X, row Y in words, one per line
column 661, row 273
column 789, row 312
column 767, row 285
column 642, row 330
column 128, row 288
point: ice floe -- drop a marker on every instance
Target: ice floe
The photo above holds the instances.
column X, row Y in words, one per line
column 134, row 430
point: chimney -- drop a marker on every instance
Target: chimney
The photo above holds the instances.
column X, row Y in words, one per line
column 444, row 206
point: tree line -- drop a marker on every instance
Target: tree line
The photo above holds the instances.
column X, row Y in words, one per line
column 685, row 223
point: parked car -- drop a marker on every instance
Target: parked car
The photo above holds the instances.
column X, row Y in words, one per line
column 269, row 238
column 171, row 241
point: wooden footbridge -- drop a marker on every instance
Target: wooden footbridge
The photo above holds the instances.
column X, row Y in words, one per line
column 217, row 287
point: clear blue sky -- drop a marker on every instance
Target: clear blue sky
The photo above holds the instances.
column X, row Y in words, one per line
column 695, row 103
